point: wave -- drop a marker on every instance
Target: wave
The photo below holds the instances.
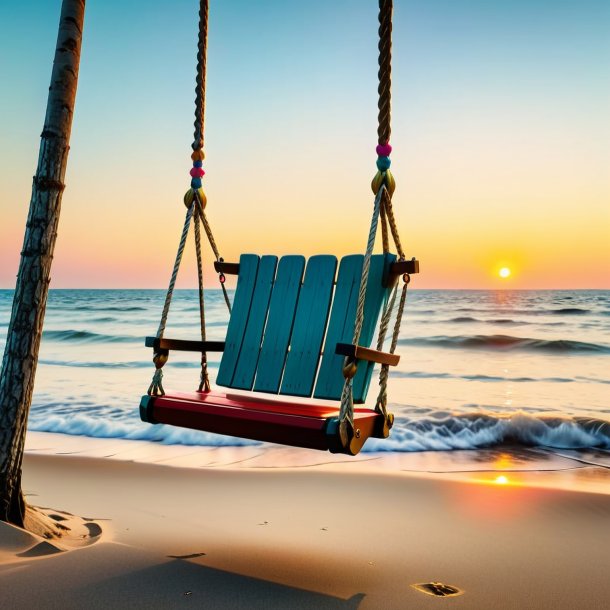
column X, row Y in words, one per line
column 543, row 311
column 430, row 375
column 477, row 431
column 434, row 432
column 110, row 308
column 85, row 336
column 507, row 342
column 570, row 311
column 468, row 319
column 101, row 427
column 136, row 364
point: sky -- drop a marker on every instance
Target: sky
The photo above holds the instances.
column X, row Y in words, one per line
column 500, row 131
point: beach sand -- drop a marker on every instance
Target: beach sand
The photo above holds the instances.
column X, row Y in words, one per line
column 320, row 532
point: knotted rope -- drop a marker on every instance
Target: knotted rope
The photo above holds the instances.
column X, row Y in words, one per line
column 160, row 356
column 383, row 186
column 195, row 201
column 202, row 52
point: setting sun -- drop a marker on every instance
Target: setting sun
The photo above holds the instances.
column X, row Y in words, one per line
column 505, row 272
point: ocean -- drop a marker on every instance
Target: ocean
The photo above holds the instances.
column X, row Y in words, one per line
column 478, row 368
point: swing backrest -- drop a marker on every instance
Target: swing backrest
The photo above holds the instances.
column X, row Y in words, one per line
column 288, row 317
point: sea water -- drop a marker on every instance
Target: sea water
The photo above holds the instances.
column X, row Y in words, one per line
column 477, row 369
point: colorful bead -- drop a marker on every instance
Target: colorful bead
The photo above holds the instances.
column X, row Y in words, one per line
column 197, row 172
column 383, row 150
column 382, row 178
column 197, row 163
column 383, row 163
column 203, row 200
column 188, row 198
column 196, row 183
column 198, row 155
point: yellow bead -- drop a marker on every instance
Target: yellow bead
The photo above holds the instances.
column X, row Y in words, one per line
column 189, row 196
column 381, row 179
column 377, row 182
column 202, row 198
column 390, row 182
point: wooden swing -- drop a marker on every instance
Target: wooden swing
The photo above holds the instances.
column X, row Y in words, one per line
column 297, row 328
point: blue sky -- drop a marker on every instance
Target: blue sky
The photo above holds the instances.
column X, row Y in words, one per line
column 500, row 133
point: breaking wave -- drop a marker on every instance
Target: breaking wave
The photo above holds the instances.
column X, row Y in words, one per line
column 508, row 342
column 476, row 431
column 438, row 431
column 85, row 336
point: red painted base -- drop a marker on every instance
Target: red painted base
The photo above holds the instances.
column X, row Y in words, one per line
column 307, row 425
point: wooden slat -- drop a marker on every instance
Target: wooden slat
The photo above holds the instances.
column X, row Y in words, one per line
column 243, row 377
column 248, row 267
column 309, row 326
column 181, row 345
column 279, row 324
column 376, row 297
column 340, row 327
column 357, row 352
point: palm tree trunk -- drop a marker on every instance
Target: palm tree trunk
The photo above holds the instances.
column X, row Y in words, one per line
column 29, row 303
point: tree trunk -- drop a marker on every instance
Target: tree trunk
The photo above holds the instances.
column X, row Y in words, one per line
column 29, row 303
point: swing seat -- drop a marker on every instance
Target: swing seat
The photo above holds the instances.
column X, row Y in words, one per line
column 289, row 333
column 299, row 424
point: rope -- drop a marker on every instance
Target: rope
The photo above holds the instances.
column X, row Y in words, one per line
column 202, row 47
column 172, row 281
column 385, row 320
column 383, row 186
column 156, row 386
column 384, row 230
column 382, row 398
column 389, row 212
column 346, row 412
column 199, row 274
column 204, row 382
column 385, row 71
column 208, row 231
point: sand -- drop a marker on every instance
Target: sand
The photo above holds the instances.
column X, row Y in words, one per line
column 325, row 534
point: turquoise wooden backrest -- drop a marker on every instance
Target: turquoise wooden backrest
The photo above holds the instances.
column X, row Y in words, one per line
column 281, row 338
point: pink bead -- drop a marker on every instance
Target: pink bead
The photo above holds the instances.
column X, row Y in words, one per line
column 197, row 172
column 383, row 150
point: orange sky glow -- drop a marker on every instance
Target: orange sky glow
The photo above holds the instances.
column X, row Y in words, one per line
column 494, row 168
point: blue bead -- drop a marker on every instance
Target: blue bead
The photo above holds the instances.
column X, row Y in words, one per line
column 383, row 163
column 197, row 163
column 196, row 183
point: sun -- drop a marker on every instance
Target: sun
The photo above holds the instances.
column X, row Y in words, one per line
column 504, row 272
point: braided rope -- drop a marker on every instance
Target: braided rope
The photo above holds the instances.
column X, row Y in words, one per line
column 204, row 382
column 389, row 212
column 385, row 320
column 385, row 71
column 346, row 411
column 384, row 230
column 383, row 329
column 208, row 230
column 156, row 385
column 202, row 47
column 172, row 281
column 199, row 273
column 382, row 398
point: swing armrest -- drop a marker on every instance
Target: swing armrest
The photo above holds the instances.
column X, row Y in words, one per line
column 357, row 352
column 184, row 346
column 400, row 268
column 228, row 268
